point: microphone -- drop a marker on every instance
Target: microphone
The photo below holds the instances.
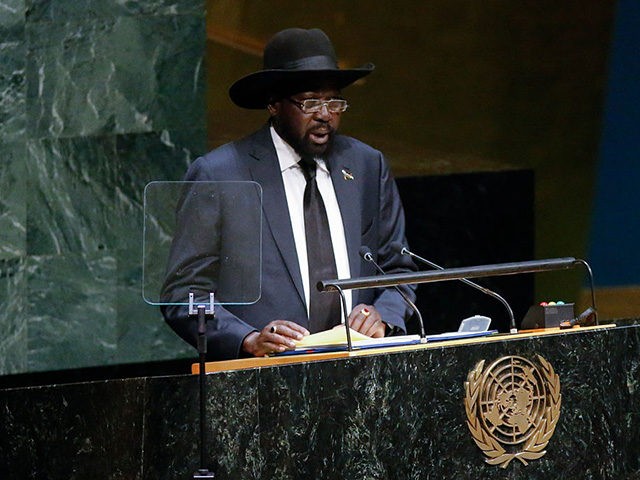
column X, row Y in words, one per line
column 402, row 250
column 365, row 253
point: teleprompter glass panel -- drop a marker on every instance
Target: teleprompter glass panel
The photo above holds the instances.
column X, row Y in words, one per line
column 202, row 237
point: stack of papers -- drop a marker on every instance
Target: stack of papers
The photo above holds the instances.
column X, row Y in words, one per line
column 336, row 340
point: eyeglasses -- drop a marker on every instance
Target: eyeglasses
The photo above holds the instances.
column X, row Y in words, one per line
column 314, row 105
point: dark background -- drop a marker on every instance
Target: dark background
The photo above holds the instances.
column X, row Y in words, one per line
column 462, row 220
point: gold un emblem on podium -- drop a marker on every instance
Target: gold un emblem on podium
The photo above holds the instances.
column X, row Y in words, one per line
column 512, row 408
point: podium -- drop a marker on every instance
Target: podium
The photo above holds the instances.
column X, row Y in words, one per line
column 393, row 414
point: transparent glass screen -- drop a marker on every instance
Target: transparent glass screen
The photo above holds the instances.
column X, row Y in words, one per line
column 202, row 237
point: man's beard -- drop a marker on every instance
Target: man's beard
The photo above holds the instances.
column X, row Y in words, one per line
column 308, row 148
column 304, row 146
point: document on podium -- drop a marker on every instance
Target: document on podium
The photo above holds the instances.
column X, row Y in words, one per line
column 441, row 337
column 335, row 339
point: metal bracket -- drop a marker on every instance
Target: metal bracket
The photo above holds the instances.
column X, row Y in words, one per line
column 193, row 308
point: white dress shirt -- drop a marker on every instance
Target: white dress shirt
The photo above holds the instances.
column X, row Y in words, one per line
column 294, row 185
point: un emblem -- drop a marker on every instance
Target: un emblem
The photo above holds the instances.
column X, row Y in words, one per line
column 512, row 408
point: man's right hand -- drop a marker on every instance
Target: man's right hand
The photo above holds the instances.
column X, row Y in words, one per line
column 275, row 337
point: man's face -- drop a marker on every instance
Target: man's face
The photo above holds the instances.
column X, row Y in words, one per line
column 310, row 134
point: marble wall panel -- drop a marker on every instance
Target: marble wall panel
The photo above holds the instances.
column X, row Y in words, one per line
column 13, row 200
column 12, row 84
column 70, row 195
column 86, row 192
column 12, row 14
column 85, row 416
column 167, row 432
column 238, row 446
column 71, row 311
column 95, row 69
column 96, row 100
column 89, row 199
column 114, row 75
column 368, row 427
column 315, row 424
column 141, row 332
column 143, row 158
column 14, row 338
column 51, row 10
column 239, row 393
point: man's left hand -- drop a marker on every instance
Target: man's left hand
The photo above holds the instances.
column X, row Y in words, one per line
column 367, row 320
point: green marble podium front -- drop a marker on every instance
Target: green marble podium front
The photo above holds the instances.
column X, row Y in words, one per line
column 380, row 416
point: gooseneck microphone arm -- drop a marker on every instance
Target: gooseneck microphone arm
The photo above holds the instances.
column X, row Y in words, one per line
column 591, row 285
column 402, row 250
column 366, row 254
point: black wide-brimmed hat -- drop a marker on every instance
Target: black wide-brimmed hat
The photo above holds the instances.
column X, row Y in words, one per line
column 294, row 59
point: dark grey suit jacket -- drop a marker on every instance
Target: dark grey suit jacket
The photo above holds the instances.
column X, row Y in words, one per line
column 372, row 215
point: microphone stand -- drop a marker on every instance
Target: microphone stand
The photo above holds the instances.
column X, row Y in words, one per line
column 202, row 312
column 484, row 290
column 591, row 285
column 343, row 301
column 366, row 254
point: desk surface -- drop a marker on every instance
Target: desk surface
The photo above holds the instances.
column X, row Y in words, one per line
column 256, row 362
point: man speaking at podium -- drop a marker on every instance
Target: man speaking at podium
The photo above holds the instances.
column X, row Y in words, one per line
column 324, row 197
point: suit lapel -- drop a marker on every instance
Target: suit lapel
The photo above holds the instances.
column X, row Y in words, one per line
column 265, row 170
column 347, row 186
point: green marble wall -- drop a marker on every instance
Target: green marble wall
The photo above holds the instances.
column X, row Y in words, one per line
column 97, row 98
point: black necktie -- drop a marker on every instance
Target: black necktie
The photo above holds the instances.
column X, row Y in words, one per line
column 324, row 308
